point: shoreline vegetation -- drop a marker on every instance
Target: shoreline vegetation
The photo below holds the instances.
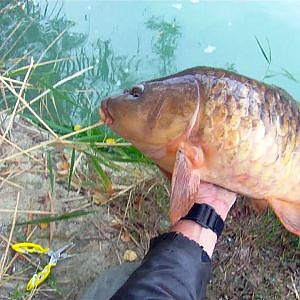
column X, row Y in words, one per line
column 64, row 176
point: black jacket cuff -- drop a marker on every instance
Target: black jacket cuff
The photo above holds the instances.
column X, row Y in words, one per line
column 174, row 268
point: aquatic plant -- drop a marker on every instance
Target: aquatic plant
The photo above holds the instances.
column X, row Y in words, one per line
column 267, row 54
column 63, row 80
column 164, row 42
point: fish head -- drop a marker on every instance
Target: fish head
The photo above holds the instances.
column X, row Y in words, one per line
column 152, row 113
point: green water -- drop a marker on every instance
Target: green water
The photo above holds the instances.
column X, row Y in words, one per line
column 130, row 41
column 214, row 33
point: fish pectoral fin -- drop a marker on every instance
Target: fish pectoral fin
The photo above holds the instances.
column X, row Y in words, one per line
column 185, row 180
column 259, row 205
column 288, row 213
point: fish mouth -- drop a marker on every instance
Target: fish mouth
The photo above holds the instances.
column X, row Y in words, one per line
column 105, row 114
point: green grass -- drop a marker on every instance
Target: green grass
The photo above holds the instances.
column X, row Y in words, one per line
column 18, row 293
column 62, row 217
column 51, row 174
column 267, row 55
column 71, row 168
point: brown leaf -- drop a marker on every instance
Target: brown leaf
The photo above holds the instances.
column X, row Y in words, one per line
column 63, row 166
column 64, row 163
column 125, row 236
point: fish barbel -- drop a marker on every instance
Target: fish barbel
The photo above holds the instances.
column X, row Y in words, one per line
column 220, row 127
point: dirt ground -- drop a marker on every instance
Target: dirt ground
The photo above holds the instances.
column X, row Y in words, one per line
column 255, row 258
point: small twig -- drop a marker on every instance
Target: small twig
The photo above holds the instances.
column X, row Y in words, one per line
column 17, row 61
column 3, row 260
column 81, row 207
column 17, row 81
column 125, row 214
column 47, row 143
column 99, row 144
column 16, row 41
column 126, row 190
column 295, row 289
column 66, row 297
column 134, row 240
column 10, row 176
column 51, row 44
column 29, row 226
column 17, row 254
column 12, row 90
column 100, row 230
column 4, row 96
column 35, row 65
column 77, row 74
column 75, row 198
column 118, row 256
column 10, row 35
column 77, row 161
column 52, row 210
column 34, row 212
column 55, row 108
column 8, row 8
column 5, row 180
column 17, row 102
column 18, row 148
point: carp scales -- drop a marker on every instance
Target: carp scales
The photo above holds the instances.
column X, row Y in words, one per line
column 220, row 127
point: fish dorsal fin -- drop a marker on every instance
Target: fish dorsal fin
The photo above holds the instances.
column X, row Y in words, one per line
column 288, row 213
column 185, row 180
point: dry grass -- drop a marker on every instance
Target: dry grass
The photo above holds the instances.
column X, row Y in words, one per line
column 15, row 271
column 23, row 160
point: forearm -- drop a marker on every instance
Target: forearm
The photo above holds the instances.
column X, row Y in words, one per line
column 178, row 265
column 174, row 268
column 204, row 237
column 221, row 201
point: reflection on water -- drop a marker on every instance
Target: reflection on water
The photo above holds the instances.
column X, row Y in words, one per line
column 164, row 42
column 129, row 41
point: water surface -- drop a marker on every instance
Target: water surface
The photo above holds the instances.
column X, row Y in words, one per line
column 213, row 33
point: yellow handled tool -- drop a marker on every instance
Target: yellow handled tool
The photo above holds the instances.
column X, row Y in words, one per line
column 40, row 277
column 29, row 248
column 55, row 256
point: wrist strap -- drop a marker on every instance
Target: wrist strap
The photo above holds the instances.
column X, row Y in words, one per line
column 205, row 215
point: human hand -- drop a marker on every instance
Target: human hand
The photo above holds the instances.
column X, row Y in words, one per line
column 217, row 197
column 221, row 200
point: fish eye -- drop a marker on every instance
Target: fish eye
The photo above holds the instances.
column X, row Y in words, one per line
column 137, row 90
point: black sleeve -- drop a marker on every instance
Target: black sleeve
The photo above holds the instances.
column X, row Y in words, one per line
column 174, row 268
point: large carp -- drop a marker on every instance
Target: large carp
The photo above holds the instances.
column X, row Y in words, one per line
column 220, row 127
